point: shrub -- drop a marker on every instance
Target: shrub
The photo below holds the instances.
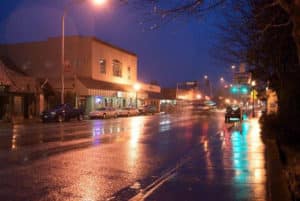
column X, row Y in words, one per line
column 270, row 125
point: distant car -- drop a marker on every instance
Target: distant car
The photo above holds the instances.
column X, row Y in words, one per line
column 212, row 105
column 104, row 112
column 62, row 112
column 148, row 109
column 204, row 106
column 233, row 113
column 128, row 111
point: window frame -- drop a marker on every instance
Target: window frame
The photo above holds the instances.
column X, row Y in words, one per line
column 102, row 66
column 117, row 68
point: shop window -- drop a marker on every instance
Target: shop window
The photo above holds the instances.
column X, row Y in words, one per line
column 117, row 68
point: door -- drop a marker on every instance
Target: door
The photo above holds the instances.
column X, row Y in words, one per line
column 3, row 106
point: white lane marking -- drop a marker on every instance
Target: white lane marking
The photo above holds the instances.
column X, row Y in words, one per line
column 144, row 193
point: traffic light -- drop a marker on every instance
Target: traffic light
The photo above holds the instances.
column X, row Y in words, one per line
column 234, row 90
column 239, row 89
column 244, row 90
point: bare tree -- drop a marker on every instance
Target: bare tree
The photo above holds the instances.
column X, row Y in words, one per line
column 292, row 8
column 170, row 9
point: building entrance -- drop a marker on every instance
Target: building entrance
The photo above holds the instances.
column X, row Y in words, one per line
column 3, row 106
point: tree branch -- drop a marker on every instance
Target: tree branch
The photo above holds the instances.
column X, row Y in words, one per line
column 268, row 26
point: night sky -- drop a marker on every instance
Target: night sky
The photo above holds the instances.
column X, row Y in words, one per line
column 176, row 52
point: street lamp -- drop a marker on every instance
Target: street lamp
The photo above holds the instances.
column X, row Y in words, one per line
column 208, row 84
column 253, row 83
column 222, row 79
column 136, row 87
column 66, row 8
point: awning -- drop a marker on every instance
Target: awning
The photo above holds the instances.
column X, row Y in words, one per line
column 4, row 79
column 16, row 81
column 90, row 87
column 97, row 84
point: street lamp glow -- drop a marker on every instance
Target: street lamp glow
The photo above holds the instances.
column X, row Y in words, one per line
column 198, row 96
column 137, row 86
column 205, row 77
column 222, row 79
column 253, row 83
column 233, row 67
column 99, row 2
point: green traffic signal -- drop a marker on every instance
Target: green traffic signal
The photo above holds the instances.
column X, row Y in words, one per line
column 244, row 90
column 234, row 90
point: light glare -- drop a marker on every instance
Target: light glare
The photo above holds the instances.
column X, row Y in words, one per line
column 99, row 2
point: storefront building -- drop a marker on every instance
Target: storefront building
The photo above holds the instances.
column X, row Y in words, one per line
column 96, row 73
column 17, row 95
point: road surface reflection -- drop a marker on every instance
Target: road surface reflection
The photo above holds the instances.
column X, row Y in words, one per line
column 94, row 160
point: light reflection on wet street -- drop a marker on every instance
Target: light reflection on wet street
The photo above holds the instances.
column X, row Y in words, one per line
column 116, row 158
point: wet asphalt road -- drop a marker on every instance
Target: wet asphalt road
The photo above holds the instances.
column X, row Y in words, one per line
column 160, row 157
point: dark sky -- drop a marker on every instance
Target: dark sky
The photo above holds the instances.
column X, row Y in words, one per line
column 178, row 51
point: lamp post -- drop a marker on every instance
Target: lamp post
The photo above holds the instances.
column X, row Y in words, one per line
column 253, row 83
column 66, row 8
column 136, row 87
column 208, row 84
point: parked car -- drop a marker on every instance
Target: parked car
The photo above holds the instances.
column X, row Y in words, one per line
column 62, row 112
column 233, row 113
column 104, row 112
column 128, row 111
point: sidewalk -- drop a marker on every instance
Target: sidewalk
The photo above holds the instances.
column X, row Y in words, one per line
column 278, row 189
column 292, row 170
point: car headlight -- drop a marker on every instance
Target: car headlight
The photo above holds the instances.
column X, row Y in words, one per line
column 53, row 113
